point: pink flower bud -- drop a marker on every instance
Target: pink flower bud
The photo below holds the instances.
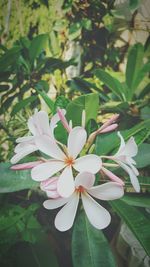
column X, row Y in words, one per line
column 50, row 187
column 112, row 176
column 63, row 120
column 25, row 166
column 110, row 121
column 109, row 128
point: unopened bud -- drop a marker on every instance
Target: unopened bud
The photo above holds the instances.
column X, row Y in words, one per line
column 50, row 187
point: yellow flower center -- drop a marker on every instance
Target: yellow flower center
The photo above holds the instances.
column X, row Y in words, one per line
column 69, row 161
column 80, row 189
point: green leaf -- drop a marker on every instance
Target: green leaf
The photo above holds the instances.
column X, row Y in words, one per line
column 54, row 44
column 107, row 143
column 143, row 157
column 89, row 246
column 145, row 113
column 141, row 74
column 11, row 215
column 7, row 103
column 52, row 64
column 37, row 45
column 43, row 86
column 74, row 31
column 4, row 87
column 138, row 200
column 40, row 89
column 12, row 181
column 36, row 255
column 9, row 58
column 77, row 84
column 134, row 4
column 136, row 221
column 135, row 60
column 61, row 102
column 87, row 24
column 22, row 104
column 144, row 92
column 112, row 83
column 89, row 103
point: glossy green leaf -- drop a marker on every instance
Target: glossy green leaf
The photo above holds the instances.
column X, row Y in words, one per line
column 12, row 181
column 112, row 83
column 61, row 102
column 135, row 59
column 89, row 103
column 141, row 75
column 137, row 222
column 89, row 245
column 143, row 157
column 37, row 45
column 137, row 200
column 23, row 104
column 145, row 113
column 9, row 58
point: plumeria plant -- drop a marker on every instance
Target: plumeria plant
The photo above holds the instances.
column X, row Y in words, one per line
column 68, row 172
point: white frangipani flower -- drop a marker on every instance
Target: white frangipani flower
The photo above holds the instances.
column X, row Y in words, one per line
column 98, row 216
column 38, row 125
column 124, row 159
column 65, row 160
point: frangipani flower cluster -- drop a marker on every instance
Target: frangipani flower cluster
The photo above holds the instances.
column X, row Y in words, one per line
column 67, row 172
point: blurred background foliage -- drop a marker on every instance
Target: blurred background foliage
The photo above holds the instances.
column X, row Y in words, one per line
column 72, row 53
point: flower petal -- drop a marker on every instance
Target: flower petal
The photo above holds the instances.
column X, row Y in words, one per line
column 39, row 123
column 65, row 185
column 85, row 179
column 112, row 176
column 122, row 144
column 89, row 163
column 25, row 139
column 32, row 124
column 136, row 172
column 107, row 191
column 65, row 217
column 49, row 184
column 63, row 120
column 49, row 147
column 130, row 149
column 133, row 177
column 42, row 122
column 52, row 194
column 110, row 128
column 76, row 141
column 97, row 215
column 51, row 204
column 22, row 153
column 24, row 145
column 46, row 170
